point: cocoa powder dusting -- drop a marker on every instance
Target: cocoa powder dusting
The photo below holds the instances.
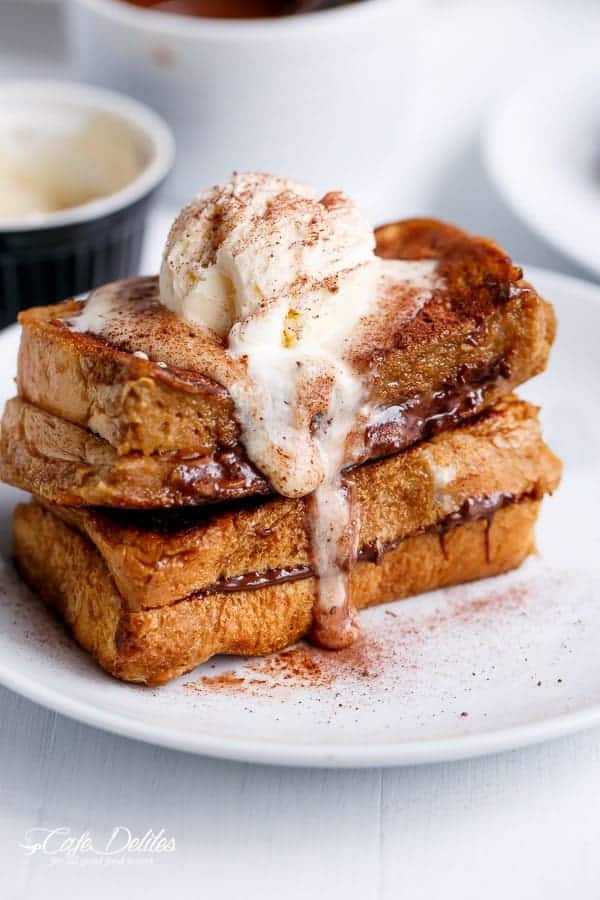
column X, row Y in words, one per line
column 367, row 660
column 307, row 666
column 228, row 681
column 303, row 666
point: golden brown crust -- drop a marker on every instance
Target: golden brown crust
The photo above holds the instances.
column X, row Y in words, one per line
column 158, row 559
column 154, row 646
column 68, row 465
column 485, row 324
column 153, row 595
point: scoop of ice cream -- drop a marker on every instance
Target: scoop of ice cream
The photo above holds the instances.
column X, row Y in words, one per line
column 283, row 277
column 269, row 249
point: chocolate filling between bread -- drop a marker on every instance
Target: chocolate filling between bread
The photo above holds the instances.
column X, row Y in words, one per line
column 228, row 473
column 424, row 416
column 471, row 510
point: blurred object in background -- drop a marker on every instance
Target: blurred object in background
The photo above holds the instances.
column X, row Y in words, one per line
column 464, row 58
column 78, row 168
column 239, row 9
column 550, row 177
column 317, row 96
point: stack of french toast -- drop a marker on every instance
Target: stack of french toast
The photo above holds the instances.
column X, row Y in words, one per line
column 158, row 540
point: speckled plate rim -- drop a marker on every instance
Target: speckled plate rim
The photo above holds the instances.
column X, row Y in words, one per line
column 321, row 756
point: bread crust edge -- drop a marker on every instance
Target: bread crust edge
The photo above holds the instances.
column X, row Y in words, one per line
column 156, row 645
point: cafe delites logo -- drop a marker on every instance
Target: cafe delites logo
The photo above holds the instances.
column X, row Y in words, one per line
column 119, row 846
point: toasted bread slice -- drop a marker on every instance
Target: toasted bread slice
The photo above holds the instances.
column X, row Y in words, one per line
column 69, row 466
column 152, row 646
column 145, row 388
column 153, row 594
column 158, row 558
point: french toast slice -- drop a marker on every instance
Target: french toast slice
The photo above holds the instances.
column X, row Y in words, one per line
column 66, row 465
column 153, row 646
column 156, row 558
column 153, row 594
column 145, row 388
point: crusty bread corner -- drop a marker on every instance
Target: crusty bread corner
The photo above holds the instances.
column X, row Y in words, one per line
column 155, row 645
column 133, row 403
column 71, row 466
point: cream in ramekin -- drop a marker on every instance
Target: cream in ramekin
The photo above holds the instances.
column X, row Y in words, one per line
column 78, row 168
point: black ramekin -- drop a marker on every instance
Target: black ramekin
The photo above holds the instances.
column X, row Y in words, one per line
column 64, row 253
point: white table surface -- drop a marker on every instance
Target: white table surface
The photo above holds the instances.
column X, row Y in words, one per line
column 524, row 824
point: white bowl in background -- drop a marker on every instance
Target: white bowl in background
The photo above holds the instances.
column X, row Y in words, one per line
column 550, row 176
column 316, row 96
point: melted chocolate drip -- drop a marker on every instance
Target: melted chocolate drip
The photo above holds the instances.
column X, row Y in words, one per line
column 422, row 417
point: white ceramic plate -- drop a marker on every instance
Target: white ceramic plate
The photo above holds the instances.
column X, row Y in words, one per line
column 456, row 673
column 542, row 150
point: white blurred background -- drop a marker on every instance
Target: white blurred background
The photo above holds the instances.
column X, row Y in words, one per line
column 469, row 56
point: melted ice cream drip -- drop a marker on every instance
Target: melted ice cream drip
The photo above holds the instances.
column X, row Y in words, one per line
column 290, row 283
